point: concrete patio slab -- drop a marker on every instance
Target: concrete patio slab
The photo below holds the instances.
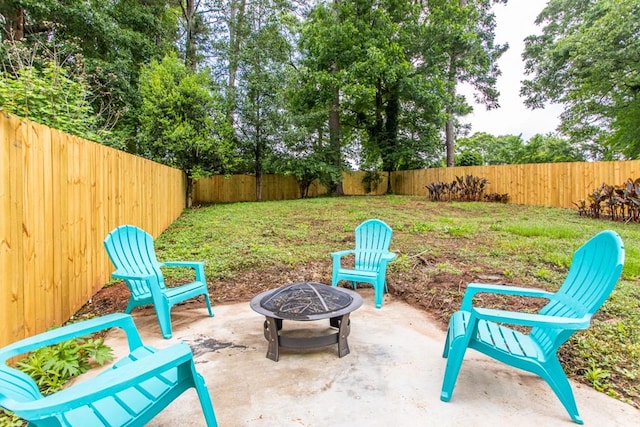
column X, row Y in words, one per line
column 392, row 376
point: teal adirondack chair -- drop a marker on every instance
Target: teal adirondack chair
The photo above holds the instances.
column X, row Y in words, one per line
column 594, row 271
column 132, row 253
column 133, row 391
column 371, row 254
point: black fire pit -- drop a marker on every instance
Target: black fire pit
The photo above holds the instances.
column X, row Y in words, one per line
column 306, row 302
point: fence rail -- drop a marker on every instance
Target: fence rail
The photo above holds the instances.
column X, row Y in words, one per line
column 59, row 197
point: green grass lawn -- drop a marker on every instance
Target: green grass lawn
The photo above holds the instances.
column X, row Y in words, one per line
column 441, row 247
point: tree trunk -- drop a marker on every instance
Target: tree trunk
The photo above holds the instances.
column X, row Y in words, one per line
column 14, row 26
column 334, row 136
column 189, row 195
column 236, row 22
column 449, row 127
column 449, row 139
column 390, row 140
column 189, row 14
column 258, row 157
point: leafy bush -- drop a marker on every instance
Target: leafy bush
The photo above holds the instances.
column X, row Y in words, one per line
column 371, row 180
column 615, row 202
column 52, row 367
column 465, row 189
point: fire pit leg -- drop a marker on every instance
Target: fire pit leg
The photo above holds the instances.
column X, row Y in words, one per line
column 344, row 328
column 271, row 328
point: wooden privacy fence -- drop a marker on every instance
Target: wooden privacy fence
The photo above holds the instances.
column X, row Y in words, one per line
column 59, row 197
column 545, row 184
column 242, row 188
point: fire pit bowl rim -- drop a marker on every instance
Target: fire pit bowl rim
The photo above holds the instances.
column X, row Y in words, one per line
column 256, row 301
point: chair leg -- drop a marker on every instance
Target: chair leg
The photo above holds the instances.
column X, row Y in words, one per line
column 334, row 278
column 454, row 361
column 130, row 306
column 205, row 398
column 207, row 300
column 456, row 347
column 447, row 345
column 378, row 291
column 163, row 311
column 555, row 376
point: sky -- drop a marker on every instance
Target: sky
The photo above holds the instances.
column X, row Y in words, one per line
column 515, row 21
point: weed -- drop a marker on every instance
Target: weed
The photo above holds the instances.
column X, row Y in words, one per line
column 445, row 267
column 461, row 230
column 543, row 274
column 422, row 227
column 597, row 377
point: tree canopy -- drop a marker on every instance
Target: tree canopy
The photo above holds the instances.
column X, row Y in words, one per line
column 182, row 120
column 587, row 58
column 314, row 88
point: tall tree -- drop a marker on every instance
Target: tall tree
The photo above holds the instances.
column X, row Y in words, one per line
column 360, row 56
column 265, row 54
column 465, row 31
column 183, row 122
column 587, row 59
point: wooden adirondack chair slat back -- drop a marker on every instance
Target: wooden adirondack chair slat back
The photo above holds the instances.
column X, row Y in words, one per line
column 594, row 271
column 373, row 239
column 132, row 251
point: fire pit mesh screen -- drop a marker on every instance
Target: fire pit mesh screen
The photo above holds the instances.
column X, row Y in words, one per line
column 304, row 299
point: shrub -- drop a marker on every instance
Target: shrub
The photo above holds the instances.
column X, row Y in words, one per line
column 52, row 367
column 615, row 202
column 465, row 189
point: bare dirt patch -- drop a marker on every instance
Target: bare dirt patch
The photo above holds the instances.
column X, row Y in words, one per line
column 438, row 294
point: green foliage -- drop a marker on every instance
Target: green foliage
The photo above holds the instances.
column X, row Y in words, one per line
column 306, row 170
column 587, row 59
column 111, row 39
column 511, row 149
column 50, row 97
column 182, row 119
column 9, row 419
column 468, row 158
column 371, row 180
column 260, row 100
column 365, row 54
column 52, row 367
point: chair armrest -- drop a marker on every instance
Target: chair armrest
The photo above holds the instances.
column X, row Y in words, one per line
column 340, row 254
column 65, row 333
column 388, row 256
column 530, row 319
column 198, row 266
column 107, row 383
column 476, row 288
column 127, row 275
